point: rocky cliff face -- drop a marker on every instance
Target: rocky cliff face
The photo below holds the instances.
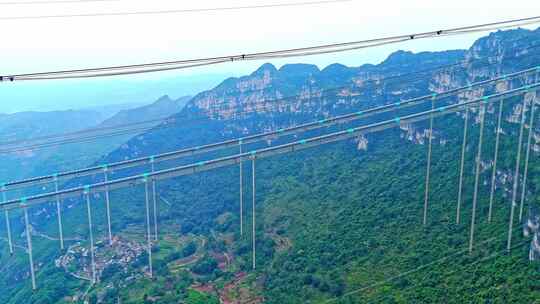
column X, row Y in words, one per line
column 299, row 87
column 305, row 91
column 531, row 228
column 272, row 98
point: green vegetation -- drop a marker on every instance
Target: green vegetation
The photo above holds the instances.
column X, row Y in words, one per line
column 195, row 297
column 206, row 266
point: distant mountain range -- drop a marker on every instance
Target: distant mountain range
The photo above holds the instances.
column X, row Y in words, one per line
column 162, row 108
column 99, row 93
column 24, row 132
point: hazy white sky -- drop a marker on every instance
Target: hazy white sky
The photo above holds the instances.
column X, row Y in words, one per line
column 51, row 44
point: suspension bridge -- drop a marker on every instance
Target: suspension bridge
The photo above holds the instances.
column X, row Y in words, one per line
column 440, row 106
column 522, row 85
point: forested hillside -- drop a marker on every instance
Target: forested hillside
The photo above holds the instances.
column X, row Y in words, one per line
column 340, row 223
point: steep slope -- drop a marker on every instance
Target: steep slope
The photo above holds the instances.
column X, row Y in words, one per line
column 333, row 222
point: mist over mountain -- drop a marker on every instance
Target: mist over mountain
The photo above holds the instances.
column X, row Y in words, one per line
column 24, row 125
column 333, row 222
column 96, row 94
column 20, row 128
column 161, row 108
column 107, row 111
column 25, row 135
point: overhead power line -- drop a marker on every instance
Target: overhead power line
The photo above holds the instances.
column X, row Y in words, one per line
column 53, row 2
column 98, row 133
column 285, row 53
column 373, row 82
column 170, row 11
column 91, row 135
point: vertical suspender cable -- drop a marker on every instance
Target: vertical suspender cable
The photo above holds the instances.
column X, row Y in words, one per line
column 59, row 215
column 527, row 155
column 148, row 233
column 462, row 166
column 253, row 211
column 91, row 234
column 516, row 175
column 477, row 173
column 108, row 206
column 495, row 158
column 241, row 193
column 29, row 242
column 428, row 167
column 154, row 198
column 8, row 223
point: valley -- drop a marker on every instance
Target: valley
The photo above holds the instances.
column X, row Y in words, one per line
column 337, row 223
